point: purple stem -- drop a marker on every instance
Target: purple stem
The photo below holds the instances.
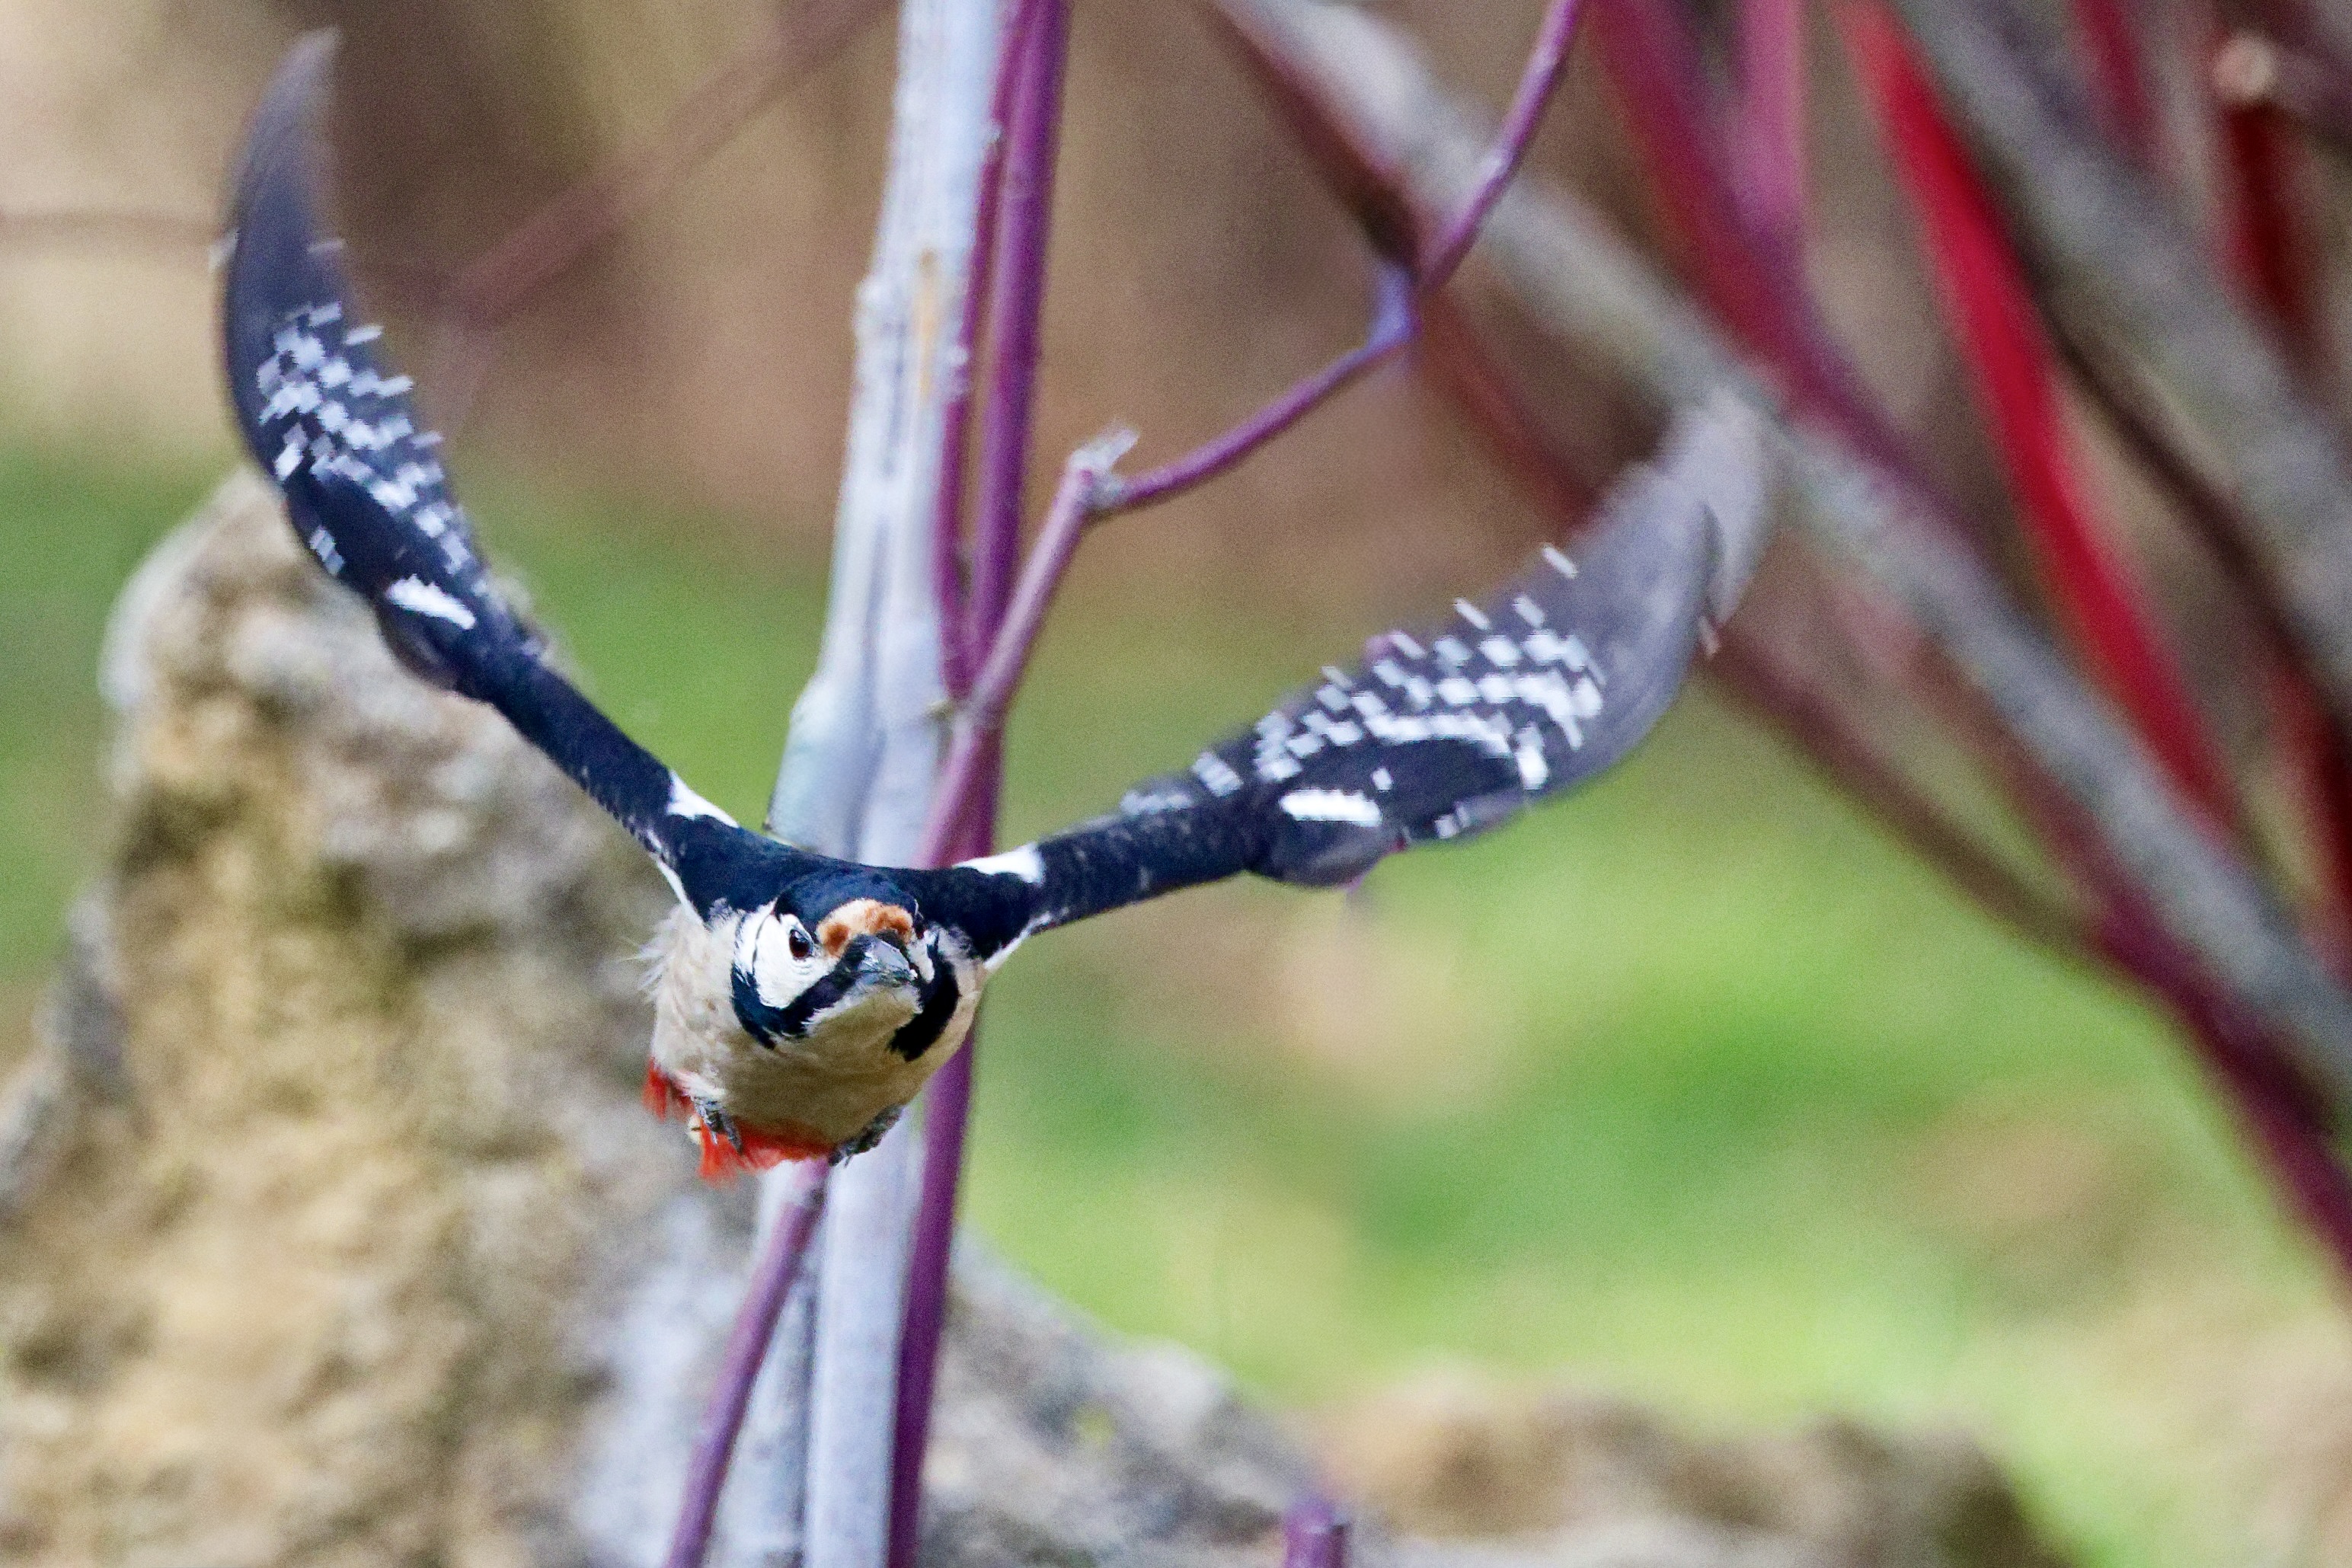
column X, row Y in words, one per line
column 1005, row 617
column 1314, row 1534
column 1769, row 148
column 1015, row 314
column 1546, row 63
column 1391, row 328
column 959, row 647
column 747, row 1347
column 947, row 1114
column 1019, row 217
column 1393, row 317
column 983, row 715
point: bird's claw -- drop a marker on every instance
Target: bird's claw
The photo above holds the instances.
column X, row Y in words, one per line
column 719, row 1122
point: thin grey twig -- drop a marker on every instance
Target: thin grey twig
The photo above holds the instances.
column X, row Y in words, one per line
column 747, row 1345
column 558, row 235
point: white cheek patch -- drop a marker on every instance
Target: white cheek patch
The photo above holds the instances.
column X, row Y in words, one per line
column 766, row 944
column 1331, row 806
column 1024, row 862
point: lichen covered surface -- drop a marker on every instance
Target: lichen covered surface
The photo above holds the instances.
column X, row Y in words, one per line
column 328, row 1180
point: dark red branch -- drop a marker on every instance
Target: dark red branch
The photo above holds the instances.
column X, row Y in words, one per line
column 2118, row 76
column 1986, row 303
column 1768, row 144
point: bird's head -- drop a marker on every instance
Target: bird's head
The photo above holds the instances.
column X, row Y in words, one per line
column 773, row 1029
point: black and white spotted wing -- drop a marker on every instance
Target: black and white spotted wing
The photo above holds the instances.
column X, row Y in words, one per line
column 327, row 416
column 1435, row 736
column 1449, row 732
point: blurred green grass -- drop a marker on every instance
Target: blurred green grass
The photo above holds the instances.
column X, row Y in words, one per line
column 1693, row 1088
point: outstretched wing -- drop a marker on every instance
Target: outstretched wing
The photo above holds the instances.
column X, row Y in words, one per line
column 325, row 414
column 1440, row 735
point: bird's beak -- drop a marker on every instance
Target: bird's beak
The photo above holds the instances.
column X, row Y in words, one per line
column 881, row 961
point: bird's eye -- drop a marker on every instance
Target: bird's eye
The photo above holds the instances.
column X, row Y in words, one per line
column 798, row 940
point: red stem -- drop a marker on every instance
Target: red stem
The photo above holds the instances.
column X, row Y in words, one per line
column 1991, row 311
column 1452, row 354
column 1778, row 694
column 739, row 1369
column 2283, row 1119
column 982, row 714
column 1753, row 284
column 2269, row 249
column 2118, row 76
column 2267, row 244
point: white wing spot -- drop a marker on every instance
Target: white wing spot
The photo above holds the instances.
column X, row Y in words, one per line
column 1472, row 615
column 1331, row 806
column 422, row 597
column 1560, row 562
column 1532, row 769
column 1217, row 774
column 685, row 802
column 1024, row 863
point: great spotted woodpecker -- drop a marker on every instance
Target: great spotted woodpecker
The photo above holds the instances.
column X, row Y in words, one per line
column 802, row 1000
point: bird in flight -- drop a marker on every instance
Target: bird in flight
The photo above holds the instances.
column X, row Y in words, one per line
column 802, row 1000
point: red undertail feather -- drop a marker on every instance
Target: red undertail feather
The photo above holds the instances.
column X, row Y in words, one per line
column 722, row 1160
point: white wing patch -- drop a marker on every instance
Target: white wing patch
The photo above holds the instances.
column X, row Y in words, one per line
column 414, row 593
column 1331, row 806
column 685, row 802
column 1024, row 862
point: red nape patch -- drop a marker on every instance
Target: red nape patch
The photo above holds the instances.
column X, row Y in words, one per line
column 722, row 1162
column 664, row 1098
